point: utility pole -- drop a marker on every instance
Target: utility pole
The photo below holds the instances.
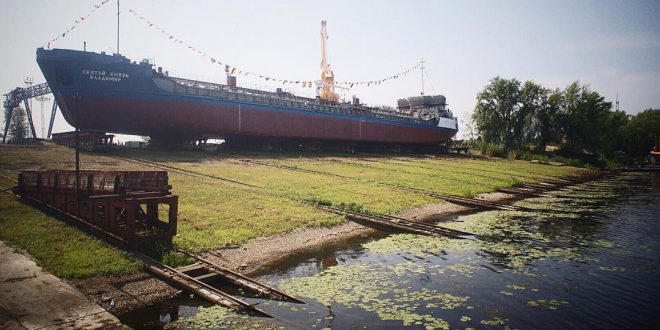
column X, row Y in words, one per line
column 76, row 99
column 42, row 99
column 617, row 101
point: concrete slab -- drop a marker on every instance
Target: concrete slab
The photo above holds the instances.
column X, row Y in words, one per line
column 31, row 298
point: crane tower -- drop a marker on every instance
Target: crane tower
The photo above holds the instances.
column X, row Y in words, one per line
column 327, row 76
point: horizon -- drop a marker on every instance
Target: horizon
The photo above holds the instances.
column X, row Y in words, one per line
column 613, row 47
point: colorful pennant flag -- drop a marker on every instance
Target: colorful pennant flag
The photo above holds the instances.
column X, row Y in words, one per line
column 231, row 69
column 76, row 22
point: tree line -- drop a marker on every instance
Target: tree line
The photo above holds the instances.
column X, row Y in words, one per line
column 527, row 117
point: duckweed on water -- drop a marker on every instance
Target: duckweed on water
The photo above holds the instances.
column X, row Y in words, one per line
column 605, row 244
column 218, row 317
column 648, row 248
column 466, row 270
column 213, row 317
column 516, row 243
column 549, row 304
column 509, row 243
column 494, row 321
column 612, row 269
column 416, row 244
column 375, row 288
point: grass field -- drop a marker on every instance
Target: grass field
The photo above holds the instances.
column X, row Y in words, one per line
column 215, row 213
column 58, row 247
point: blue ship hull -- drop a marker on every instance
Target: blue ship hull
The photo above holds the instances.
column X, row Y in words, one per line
column 112, row 94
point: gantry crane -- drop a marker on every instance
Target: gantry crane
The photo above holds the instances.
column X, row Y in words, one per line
column 13, row 100
column 327, row 76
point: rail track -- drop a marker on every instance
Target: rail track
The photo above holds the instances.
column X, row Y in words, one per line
column 538, row 189
column 392, row 223
column 8, row 178
column 180, row 170
column 182, row 278
column 260, row 288
column 465, row 201
column 521, row 192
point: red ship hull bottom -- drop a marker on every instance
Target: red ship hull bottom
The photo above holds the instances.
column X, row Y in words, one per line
column 177, row 120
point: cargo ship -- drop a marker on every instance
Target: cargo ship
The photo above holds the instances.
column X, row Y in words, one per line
column 111, row 93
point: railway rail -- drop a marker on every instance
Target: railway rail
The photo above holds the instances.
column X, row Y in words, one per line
column 180, row 170
column 392, row 223
column 182, row 278
column 465, row 201
column 212, row 270
column 522, row 192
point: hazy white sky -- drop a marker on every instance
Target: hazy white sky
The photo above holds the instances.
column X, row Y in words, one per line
column 614, row 46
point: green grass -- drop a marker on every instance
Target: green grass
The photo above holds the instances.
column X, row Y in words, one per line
column 449, row 176
column 56, row 246
column 215, row 213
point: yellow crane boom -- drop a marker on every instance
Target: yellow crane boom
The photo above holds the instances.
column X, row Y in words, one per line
column 327, row 76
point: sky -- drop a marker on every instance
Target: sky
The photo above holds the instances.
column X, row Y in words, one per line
column 613, row 46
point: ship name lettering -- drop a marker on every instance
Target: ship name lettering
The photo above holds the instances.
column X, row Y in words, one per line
column 102, row 75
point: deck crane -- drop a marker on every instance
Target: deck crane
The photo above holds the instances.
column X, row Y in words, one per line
column 327, row 76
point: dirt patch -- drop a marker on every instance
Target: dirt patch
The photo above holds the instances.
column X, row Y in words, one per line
column 121, row 294
column 257, row 254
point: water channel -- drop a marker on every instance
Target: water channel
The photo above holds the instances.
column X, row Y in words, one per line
column 588, row 257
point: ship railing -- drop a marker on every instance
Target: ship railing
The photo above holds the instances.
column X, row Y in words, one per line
column 219, row 91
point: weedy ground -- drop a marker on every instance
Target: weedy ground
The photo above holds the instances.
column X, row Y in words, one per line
column 214, row 213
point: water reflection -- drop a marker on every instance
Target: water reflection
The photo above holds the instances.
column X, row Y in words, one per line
column 589, row 258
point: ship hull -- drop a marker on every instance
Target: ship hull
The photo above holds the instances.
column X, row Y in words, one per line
column 108, row 93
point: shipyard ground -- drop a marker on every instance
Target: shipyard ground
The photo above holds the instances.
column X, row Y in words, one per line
column 251, row 208
column 33, row 299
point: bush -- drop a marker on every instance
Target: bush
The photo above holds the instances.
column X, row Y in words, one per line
column 166, row 255
column 493, row 150
column 513, row 154
column 515, row 183
column 357, row 208
column 317, row 200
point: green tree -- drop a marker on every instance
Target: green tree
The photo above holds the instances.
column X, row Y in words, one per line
column 613, row 137
column 584, row 119
column 496, row 116
column 18, row 128
column 540, row 106
column 640, row 132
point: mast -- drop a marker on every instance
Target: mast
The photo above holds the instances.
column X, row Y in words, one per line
column 117, row 26
column 422, row 67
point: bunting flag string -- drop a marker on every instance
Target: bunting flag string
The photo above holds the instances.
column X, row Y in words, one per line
column 229, row 69
column 77, row 21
